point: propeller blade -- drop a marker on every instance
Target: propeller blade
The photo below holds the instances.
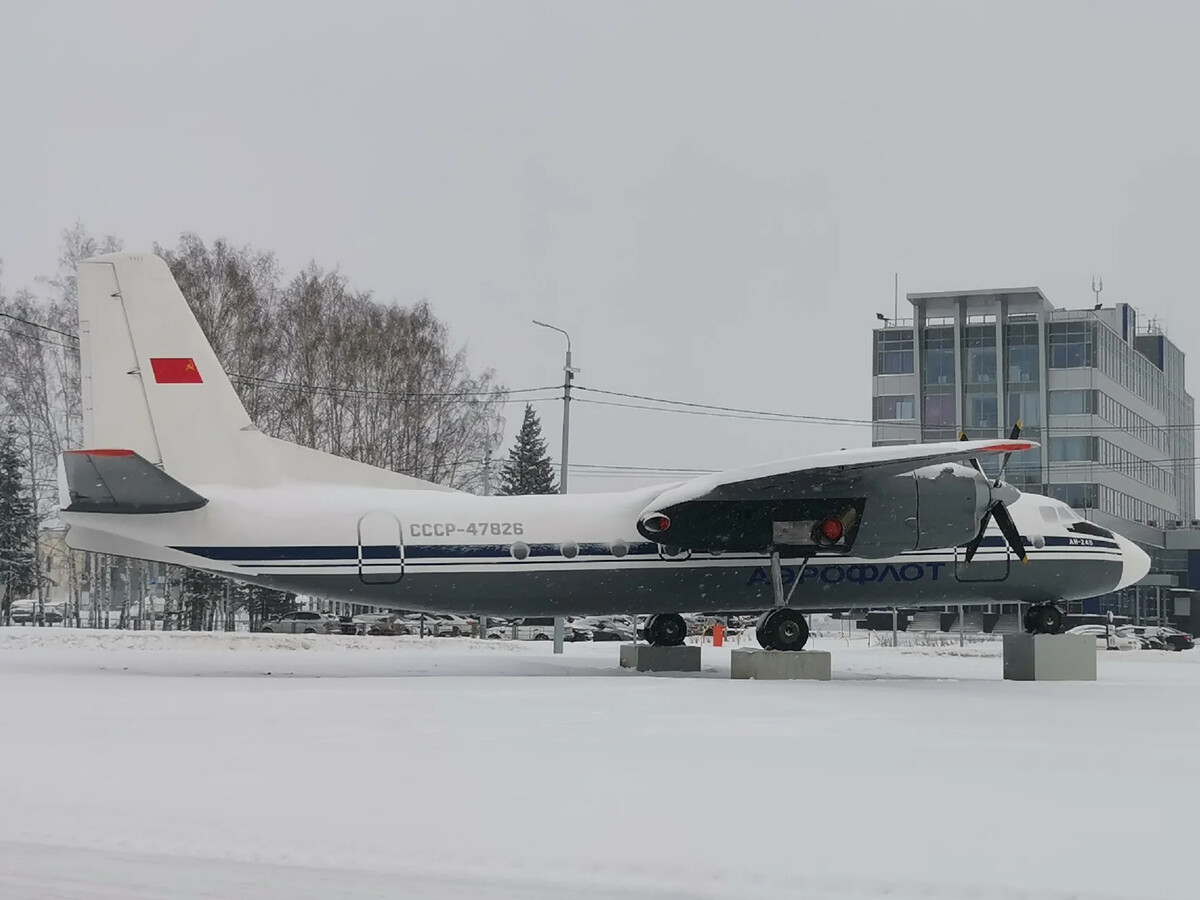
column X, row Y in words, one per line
column 962, row 436
column 1009, row 529
column 978, row 539
column 1013, row 435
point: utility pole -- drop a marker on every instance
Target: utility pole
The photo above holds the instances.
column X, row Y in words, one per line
column 568, row 376
column 482, row 624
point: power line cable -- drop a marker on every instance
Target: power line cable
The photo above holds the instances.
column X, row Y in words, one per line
column 375, row 392
column 739, row 411
column 34, row 337
column 65, row 334
column 760, row 415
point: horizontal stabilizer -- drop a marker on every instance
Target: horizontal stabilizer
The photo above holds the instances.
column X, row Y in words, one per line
column 120, row 481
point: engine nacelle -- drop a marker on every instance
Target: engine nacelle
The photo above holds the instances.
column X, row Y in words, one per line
column 927, row 509
column 866, row 515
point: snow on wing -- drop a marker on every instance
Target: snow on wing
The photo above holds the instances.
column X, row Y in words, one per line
column 731, row 483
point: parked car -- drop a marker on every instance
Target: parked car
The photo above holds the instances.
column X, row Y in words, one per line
column 605, row 628
column 1149, row 640
column 1164, row 637
column 440, row 624
column 1176, row 639
column 1123, row 638
column 539, row 629
column 25, row 612
column 380, row 624
column 303, row 623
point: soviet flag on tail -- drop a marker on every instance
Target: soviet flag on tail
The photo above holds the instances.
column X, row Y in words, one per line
column 175, row 370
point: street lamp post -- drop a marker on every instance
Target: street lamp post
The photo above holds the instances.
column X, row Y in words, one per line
column 568, row 375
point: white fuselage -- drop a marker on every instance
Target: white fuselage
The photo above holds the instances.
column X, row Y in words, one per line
column 575, row 553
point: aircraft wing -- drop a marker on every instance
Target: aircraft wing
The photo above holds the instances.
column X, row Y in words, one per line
column 885, row 500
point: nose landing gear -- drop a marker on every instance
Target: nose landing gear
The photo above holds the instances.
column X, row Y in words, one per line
column 1043, row 619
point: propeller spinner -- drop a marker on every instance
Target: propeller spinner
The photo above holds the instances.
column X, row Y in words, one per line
column 997, row 509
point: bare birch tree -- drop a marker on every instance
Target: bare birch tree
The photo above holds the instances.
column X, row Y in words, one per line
column 313, row 361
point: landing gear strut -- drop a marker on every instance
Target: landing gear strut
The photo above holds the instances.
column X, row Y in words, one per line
column 781, row 628
column 1044, row 619
column 666, row 630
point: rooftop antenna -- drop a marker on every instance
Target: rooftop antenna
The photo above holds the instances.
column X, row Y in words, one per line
column 896, row 299
column 1097, row 287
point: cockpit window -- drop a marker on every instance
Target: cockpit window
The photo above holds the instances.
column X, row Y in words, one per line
column 1083, row 527
column 1066, row 513
column 1048, row 513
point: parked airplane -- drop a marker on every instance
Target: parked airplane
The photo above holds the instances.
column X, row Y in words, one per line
column 178, row 473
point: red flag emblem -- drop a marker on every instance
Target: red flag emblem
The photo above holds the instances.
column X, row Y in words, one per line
column 176, row 371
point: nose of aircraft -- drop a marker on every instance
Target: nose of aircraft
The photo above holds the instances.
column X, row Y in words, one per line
column 1135, row 563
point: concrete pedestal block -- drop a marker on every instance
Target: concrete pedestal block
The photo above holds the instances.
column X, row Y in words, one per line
column 646, row 658
column 1049, row 657
column 811, row 665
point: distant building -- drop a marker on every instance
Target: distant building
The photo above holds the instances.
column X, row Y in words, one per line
column 1103, row 394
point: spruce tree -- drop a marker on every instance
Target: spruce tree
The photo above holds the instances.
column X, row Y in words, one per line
column 528, row 469
column 18, row 530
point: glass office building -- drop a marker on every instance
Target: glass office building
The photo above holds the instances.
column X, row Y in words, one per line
column 1102, row 392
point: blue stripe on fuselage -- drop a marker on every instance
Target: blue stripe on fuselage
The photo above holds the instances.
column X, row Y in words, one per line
column 349, row 552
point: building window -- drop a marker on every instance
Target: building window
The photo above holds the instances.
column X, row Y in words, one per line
column 894, row 352
column 1069, row 403
column 1076, row 496
column 1023, row 364
column 981, row 365
column 1070, row 345
column 1072, row 449
column 937, row 356
column 979, row 349
column 980, row 410
column 899, row 406
column 1025, row 407
column 938, row 411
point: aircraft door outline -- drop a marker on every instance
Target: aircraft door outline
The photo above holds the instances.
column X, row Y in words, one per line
column 380, row 548
column 981, row 568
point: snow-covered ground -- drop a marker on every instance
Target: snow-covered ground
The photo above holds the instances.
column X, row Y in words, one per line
column 155, row 765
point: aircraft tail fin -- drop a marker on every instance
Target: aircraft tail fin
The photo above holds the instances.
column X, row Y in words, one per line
column 151, row 382
column 152, row 385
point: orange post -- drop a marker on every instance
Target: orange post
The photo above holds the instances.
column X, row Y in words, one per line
column 718, row 635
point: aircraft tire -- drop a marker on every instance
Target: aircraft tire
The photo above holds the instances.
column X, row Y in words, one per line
column 1051, row 620
column 1045, row 619
column 672, row 630
column 650, row 630
column 666, row 630
column 782, row 629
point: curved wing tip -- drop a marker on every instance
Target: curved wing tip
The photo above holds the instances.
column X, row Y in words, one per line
column 1010, row 446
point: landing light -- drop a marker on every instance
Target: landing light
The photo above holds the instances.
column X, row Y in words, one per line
column 832, row 530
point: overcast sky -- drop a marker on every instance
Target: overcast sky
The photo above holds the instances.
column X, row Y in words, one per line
column 712, row 198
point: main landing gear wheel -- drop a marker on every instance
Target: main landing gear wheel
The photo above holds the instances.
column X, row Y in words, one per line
column 666, row 630
column 1046, row 619
column 782, row 629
